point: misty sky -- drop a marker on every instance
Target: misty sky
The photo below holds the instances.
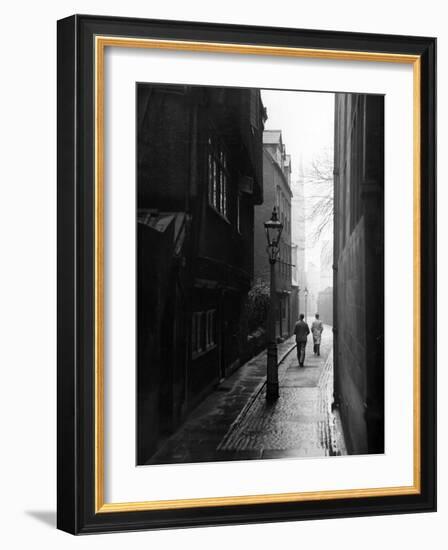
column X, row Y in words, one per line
column 307, row 123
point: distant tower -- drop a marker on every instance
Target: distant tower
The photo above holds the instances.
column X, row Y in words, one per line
column 298, row 228
column 313, row 283
column 326, row 261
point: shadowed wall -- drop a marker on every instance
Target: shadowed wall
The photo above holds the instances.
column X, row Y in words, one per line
column 359, row 270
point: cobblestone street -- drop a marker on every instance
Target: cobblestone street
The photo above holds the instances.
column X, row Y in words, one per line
column 300, row 423
column 235, row 422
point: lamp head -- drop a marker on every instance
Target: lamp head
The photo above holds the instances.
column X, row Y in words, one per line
column 273, row 228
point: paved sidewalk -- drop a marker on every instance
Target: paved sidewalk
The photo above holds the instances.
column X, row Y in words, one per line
column 197, row 440
column 301, row 422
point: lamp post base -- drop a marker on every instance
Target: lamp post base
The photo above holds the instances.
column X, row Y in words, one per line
column 272, row 392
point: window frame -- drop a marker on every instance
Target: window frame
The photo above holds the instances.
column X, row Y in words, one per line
column 218, row 175
column 203, row 332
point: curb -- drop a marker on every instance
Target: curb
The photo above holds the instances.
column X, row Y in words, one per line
column 250, row 402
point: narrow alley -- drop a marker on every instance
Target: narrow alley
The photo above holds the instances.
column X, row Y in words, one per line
column 236, row 423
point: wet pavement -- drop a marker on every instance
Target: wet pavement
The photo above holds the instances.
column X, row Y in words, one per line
column 236, row 423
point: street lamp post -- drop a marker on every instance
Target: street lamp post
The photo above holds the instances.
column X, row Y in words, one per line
column 306, row 304
column 273, row 228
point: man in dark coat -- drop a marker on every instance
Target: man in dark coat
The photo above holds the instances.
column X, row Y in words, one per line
column 301, row 330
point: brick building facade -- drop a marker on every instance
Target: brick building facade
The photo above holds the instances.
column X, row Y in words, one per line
column 277, row 192
column 199, row 177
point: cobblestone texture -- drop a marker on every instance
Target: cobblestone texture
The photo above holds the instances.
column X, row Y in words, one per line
column 300, row 423
column 236, row 423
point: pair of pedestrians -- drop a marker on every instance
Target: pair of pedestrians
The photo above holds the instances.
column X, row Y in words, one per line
column 301, row 330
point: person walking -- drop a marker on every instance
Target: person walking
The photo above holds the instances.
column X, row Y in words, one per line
column 317, row 328
column 301, row 330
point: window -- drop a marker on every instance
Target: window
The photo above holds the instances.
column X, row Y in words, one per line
column 196, row 333
column 284, row 308
column 217, row 176
column 203, row 331
column 210, row 328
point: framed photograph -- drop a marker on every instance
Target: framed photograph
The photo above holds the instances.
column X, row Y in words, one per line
column 246, row 274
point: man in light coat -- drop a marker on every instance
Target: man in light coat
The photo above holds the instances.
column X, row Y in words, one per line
column 317, row 328
column 301, row 330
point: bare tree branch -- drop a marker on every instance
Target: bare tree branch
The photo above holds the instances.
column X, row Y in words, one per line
column 320, row 204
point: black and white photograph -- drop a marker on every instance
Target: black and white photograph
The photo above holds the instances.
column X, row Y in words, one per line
column 260, row 274
column 222, row 242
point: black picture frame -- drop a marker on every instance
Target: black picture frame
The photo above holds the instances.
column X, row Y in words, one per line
column 76, row 475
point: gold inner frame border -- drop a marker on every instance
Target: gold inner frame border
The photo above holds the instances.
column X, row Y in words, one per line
column 100, row 43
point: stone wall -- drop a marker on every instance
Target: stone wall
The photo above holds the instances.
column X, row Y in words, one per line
column 351, row 307
column 358, row 287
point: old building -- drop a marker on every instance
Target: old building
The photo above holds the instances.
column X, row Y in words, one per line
column 359, row 269
column 298, row 234
column 325, row 295
column 199, row 177
column 277, row 192
column 325, row 305
column 326, row 264
column 295, row 284
column 313, row 288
